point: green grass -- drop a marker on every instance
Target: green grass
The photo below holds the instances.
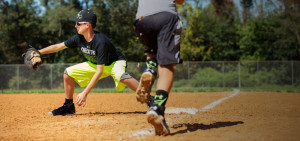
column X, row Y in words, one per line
column 206, row 89
column 77, row 90
column 127, row 90
column 273, row 89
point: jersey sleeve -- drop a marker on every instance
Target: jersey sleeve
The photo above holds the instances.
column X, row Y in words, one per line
column 73, row 41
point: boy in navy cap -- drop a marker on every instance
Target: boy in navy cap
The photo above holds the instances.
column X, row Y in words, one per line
column 103, row 60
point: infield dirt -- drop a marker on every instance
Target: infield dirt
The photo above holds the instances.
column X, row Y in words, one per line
column 247, row 116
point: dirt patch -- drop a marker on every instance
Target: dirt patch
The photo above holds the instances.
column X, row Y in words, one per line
column 247, row 116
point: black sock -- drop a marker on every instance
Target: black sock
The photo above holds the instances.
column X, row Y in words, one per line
column 151, row 63
column 68, row 101
column 161, row 97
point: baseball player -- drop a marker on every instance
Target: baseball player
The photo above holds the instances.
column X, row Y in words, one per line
column 159, row 28
column 103, row 60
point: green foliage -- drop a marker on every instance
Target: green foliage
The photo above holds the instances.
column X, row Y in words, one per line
column 272, row 35
column 207, row 77
column 210, row 34
column 287, row 43
column 116, row 21
column 257, row 39
column 207, row 36
column 240, row 74
column 5, row 75
column 247, row 5
column 183, row 83
column 193, row 38
column 18, row 22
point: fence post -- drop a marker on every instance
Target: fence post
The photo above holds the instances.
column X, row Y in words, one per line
column 257, row 69
column 18, row 74
column 188, row 66
column 292, row 63
column 51, row 77
column 239, row 74
column 223, row 69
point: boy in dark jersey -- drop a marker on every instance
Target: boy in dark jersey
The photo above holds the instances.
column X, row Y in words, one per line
column 159, row 28
column 103, row 60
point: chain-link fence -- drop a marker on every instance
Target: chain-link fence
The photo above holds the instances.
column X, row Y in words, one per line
column 220, row 74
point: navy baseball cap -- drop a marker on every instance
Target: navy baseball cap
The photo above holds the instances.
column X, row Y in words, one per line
column 86, row 15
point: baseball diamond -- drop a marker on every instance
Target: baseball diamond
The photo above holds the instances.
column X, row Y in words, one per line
column 232, row 115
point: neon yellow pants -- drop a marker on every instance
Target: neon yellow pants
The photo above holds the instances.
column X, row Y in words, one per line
column 84, row 72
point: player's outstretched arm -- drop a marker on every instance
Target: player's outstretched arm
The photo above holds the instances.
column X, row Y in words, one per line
column 53, row 48
column 179, row 2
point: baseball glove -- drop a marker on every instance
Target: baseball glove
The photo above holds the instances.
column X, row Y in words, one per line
column 32, row 58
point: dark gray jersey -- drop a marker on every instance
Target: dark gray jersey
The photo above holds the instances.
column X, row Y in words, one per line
column 150, row 7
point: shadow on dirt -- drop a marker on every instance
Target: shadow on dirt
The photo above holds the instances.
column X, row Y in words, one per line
column 197, row 126
column 112, row 113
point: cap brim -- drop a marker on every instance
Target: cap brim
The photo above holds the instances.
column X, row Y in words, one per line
column 74, row 19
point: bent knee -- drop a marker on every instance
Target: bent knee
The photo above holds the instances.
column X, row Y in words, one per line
column 125, row 76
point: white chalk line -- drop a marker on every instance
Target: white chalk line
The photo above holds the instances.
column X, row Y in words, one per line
column 215, row 103
column 174, row 110
column 192, row 111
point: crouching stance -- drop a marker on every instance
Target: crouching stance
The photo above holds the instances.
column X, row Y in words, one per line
column 103, row 60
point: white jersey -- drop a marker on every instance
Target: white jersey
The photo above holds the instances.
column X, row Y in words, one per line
column 150, row 7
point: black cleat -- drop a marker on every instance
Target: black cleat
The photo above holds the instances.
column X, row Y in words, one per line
column 66, row 109
column 155, row 116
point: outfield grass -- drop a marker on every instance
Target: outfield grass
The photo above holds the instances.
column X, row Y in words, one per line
column 127, row 90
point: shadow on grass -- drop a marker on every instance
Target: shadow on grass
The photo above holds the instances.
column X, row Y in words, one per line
column 197, row 126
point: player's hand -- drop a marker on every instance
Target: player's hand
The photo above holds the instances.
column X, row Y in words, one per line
column 81, row 99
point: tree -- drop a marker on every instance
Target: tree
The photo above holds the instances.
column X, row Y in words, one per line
column 291, row 6
column 19, row 23
column 273, row 35
column 56, row 28
column 192, row 45
column 288, row 31
column 256, row 40
column 208, row 36
column 247, row 5
column 116, row 18
column 224, row 9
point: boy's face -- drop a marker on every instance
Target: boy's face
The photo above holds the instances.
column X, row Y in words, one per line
column 81, row 27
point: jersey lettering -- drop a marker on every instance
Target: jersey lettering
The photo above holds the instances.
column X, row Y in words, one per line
column 88, row 51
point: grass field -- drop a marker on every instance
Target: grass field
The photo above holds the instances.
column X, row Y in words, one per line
column 276, row 88
column 210, row 116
